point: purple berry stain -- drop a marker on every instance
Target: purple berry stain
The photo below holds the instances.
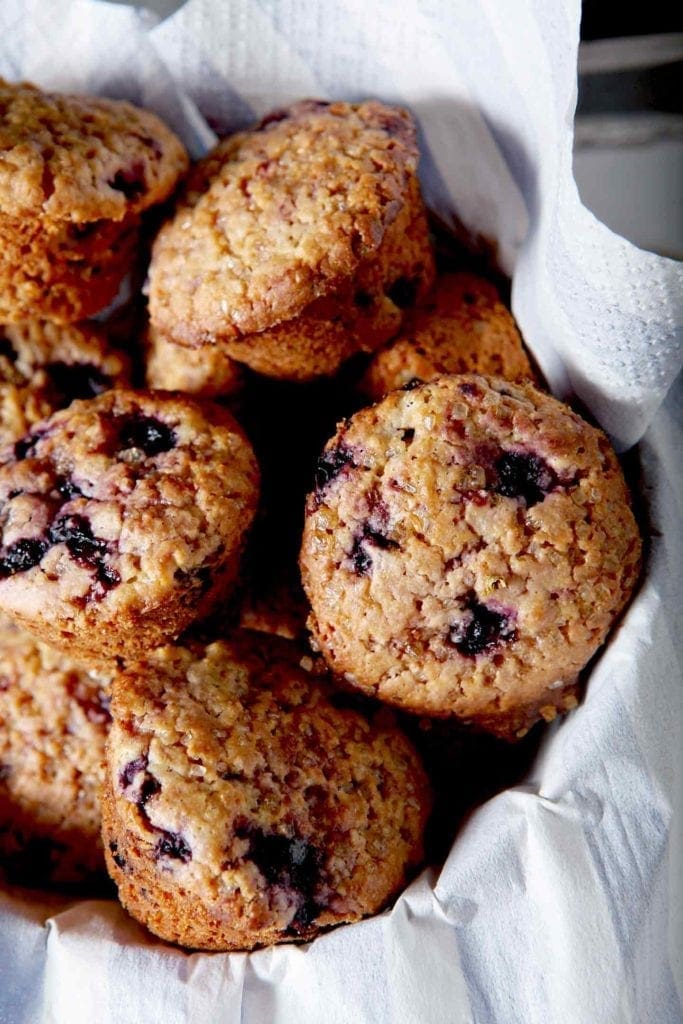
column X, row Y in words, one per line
column 76, row 533
column 360, row 556
column 372, row 534
column 523, row 475
column 481, row 629
column 146, row 433
column 330, row 465
column 292, row 863
column 129, row 771
column 66, row 488
column 173, row 845
column 116, row 856
column 144, row 788
column 130, row 182
column 26, row 446
column 22, row 556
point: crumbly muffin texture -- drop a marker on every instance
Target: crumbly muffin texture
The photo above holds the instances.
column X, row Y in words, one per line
column 122, row 520
column 54, row 717
column 316, row 214
column 76, row 172
column 466, row 550
column 82, row 158
column 45, row 366
column 462, row 327
column 207, row 371
column 243, row 808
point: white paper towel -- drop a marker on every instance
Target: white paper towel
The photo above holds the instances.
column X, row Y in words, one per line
column 560, row 902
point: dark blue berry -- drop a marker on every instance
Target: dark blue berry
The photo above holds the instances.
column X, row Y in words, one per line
column 95, row 707
column 172, row 844
column 369, row 535
column 360, row 559
column 105, row 579
column 480, row 630
column 67, row 488
column 21, row 556
column 76, row 532
column 522, row 475
column 330, row 464
column 116, row 856
column 284, row 860
column 130, row 182
column 129, row 771
column 26, row 446
column 307, row 913
column 149, row 788
column 146, row 433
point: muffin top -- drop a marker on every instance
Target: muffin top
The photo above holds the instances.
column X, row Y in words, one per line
column 112, row 506
column 244, row 785
column 467, row 548
column 82, row 158
column 279, row 216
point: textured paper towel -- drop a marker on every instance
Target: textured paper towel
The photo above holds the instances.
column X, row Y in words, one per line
column 560, row 902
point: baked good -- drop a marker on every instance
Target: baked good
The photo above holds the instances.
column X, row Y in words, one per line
column 54, row 717
column 123, row 519
column 45, row 366
column 461, row 327
column 242, row 808
column 298, row 243
column 469, row 544
column 207, row 371
column 76, row 172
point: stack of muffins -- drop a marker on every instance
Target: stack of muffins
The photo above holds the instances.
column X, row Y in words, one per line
column 197, row 660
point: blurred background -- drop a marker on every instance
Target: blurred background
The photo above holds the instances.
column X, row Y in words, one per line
column 628, row 149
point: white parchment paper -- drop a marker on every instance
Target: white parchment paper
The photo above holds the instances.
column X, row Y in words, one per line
column 561, row 900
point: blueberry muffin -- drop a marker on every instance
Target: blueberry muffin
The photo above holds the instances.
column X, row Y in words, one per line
column 45, row 366
column 207, row 372
column 298, row 243
column 462, row 327
column 76, row 173
column 123, row 519
column 242, row 808
column 466, row 550
column 54, row 717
